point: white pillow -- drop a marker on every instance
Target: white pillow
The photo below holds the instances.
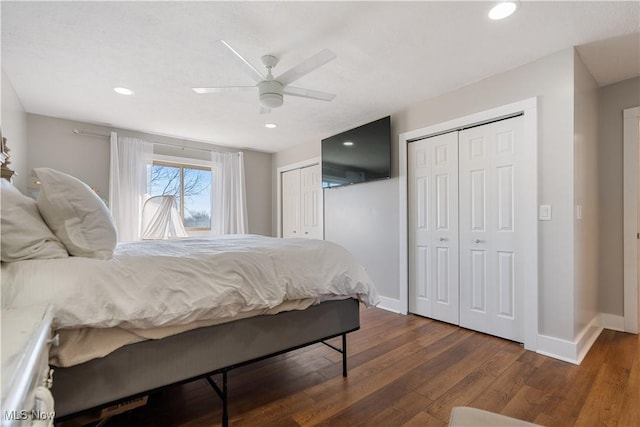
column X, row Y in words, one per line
column 76, row 215
column 24, row 234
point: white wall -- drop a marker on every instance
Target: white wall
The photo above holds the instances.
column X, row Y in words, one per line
column 14, row 127
column 613, row 99
column 52, row 143
column 586, row 245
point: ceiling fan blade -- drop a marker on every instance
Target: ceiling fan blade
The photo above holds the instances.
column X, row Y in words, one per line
column 306, row 66
column 252, row 71
column 221, row 89
column 308, row 93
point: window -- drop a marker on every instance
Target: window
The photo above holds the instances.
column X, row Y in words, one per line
column 191, row 185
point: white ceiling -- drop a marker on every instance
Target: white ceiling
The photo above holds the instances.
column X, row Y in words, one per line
column 64, row 58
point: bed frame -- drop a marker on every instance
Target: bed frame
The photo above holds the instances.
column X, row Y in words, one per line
column 141, row 368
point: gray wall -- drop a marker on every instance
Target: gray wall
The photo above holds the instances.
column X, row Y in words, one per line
column 587, row 249
column 257, row 167
column 14, row 128
column 363, row 217
column 52, row 143
column 566, row 89
column 613, row 99
column 551, row 79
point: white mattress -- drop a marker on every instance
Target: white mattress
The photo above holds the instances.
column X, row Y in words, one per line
column 83, row 344
column 157, row 284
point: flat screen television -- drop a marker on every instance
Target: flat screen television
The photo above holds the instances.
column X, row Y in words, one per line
column 358, row 155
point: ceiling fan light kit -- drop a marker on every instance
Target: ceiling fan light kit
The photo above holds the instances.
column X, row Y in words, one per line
column 270, row 93
column 271, row 90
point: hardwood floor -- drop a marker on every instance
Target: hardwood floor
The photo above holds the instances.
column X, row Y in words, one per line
column 410, row 371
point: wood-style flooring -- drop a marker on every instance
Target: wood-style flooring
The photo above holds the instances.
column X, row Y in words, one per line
column 410, row 371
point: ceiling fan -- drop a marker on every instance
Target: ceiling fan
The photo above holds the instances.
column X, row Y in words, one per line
column 271, row 90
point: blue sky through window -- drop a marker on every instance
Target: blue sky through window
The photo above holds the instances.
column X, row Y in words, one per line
column 196, row 189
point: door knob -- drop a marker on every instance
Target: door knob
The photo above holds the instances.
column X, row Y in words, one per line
column 443, row 239
column 478, row 241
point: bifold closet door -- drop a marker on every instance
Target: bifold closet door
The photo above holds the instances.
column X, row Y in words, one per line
column 491, row 297
column 311, row 193
column 291, row 203
column 302, row 202
column 433, row 227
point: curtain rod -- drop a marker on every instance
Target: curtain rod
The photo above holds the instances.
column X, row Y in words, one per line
column 86, row 132
column 101, row 135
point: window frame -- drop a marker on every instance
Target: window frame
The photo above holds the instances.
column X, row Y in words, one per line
column 182, row 165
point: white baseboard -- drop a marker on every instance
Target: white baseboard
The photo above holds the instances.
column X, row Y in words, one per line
column 570, row 351
column 611, row 321
column 586, row 340
column 557, row 348
column 390, row 304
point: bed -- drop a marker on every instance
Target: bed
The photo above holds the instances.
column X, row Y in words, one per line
column 155, row 313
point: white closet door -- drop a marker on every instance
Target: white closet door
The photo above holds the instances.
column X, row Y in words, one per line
column 311, row 203
column 291, row 204
column 490, row 296
column 433, row 227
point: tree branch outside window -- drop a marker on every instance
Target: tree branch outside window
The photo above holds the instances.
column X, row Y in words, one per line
column 191, row 186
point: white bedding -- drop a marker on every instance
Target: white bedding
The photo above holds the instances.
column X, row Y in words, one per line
column 153, row 284
column 80, row 345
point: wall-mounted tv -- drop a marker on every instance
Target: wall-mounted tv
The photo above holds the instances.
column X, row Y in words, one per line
column 358, row 155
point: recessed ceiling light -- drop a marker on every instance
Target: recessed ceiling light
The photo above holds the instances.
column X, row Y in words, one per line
column 502, row 10
column 271, row 125
column 123, row 90
column 348, row 143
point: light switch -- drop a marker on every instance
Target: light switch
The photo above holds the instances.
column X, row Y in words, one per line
column 579, row 211
column 544, row 213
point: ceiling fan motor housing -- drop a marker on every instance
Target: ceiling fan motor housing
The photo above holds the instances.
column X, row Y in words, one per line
column 270, row 93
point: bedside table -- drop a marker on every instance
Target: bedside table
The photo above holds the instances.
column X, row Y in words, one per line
column 26, row 376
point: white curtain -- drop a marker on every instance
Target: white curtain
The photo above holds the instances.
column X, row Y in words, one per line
column 161, row 220
column 128, row 184
column 228, row 202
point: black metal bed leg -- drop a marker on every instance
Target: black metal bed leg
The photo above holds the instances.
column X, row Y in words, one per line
column 344, row 355
column 342, row 350
column 222, row 393
column 225, row 412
